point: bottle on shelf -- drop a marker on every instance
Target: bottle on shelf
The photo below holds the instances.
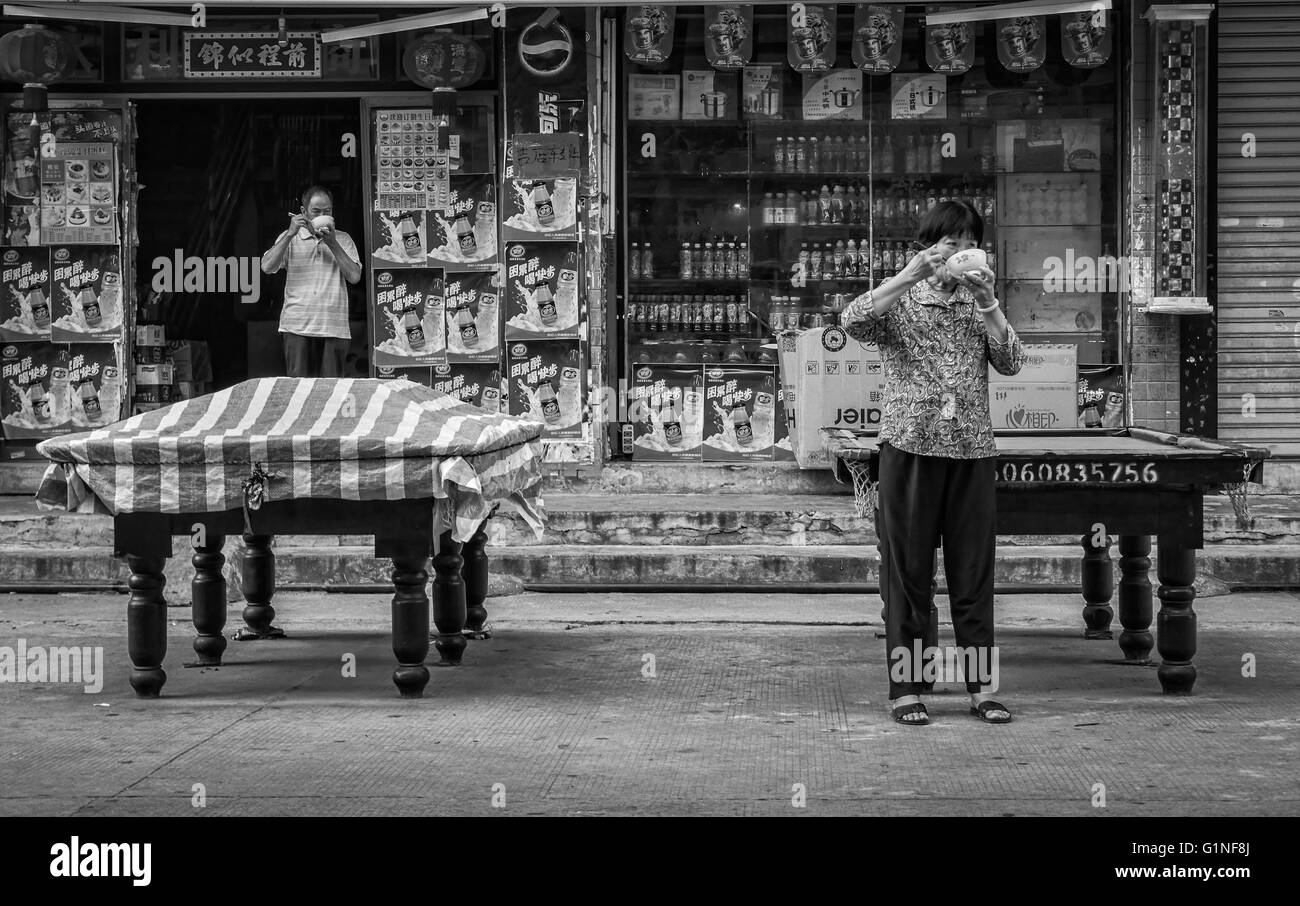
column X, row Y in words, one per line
column 709, row 263
column 647, row 262
column 814, row 271
column 634, row 262
column 684, row 269
column 801, row 155
column 884, row 164
column 742, row 261
column 778, row 155
column 765, row 209
column 838, row 257
column 697, row 261
column 814, row 156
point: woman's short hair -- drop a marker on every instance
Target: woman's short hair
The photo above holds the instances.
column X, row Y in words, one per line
column 312, row 191
column 951, row 218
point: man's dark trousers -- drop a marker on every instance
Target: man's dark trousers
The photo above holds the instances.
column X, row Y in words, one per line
column 923, row 499
column 313, row 356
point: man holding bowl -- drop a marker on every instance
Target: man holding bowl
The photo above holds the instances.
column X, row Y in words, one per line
column 939, row 327
column 317, row 258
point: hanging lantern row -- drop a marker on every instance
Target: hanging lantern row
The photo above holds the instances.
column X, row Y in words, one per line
column 877, row 32
column 37, row 57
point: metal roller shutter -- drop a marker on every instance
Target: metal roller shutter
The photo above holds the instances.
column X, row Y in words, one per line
column 1259, row 221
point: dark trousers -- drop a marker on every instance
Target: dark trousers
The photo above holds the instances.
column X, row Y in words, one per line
column 923, row 499
column 313, row 356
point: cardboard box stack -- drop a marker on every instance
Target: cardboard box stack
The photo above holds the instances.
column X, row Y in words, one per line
column 153, row 378
column 837, row 384
column 192, row 368
column 1043, row 396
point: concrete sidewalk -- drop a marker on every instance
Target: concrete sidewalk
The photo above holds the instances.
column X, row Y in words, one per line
column 752, row 700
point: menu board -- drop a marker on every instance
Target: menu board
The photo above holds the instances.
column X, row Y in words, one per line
column 410, row 171
column 78, row 194
column 24, row 294
column 408, row 317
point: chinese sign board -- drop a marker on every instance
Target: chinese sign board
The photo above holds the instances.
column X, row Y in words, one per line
column 547, row 155
column 252, row 55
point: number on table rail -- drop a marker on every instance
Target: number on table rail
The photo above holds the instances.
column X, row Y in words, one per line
column 1079, row 473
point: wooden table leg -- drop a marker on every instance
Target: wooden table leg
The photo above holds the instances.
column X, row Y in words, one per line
column 1176, row 621
column 259, row 586
column 146, row 625
column 1098, row 585
column 208, row 597
column 1135, row 605
column 410, row 624
column 448, row 601
column 475, row 576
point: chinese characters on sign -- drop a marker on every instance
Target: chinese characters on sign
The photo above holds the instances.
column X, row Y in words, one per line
column 548, row 155
column 218, row 55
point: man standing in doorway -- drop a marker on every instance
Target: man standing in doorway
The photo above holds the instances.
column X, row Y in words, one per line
column 317, row 258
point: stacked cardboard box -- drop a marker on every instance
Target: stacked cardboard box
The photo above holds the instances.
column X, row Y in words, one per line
column 192, row 368
column 1043, row 396
column 837, row 384
column 153, row 378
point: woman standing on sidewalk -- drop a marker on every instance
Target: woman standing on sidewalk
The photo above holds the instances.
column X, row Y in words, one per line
column 937, row 334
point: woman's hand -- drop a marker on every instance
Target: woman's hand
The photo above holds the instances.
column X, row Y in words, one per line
column 922, row 265
column 980, row 283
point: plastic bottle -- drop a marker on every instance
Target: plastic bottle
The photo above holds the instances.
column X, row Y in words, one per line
column 566, row 282
column 884, row 166
column 814, row 271
column 545, row 304
column 814, row 156
column 824, row 206
column 685, row 264
column 90, row 309
column 801, row 155
column 742, row 261
column 414, row 330
column 465, row 237
column 89, row 400
column 839, row 206
column 766, row 209
column 542, row 205
column 851, row 259
column 741, row 425
column 59, row 393
column 40, row 307
column 110, row 393
column 670, row 421
column 778, row 155
column 709, row 271
column 410, row 234
column 38, row 400
column 634, row 262
column 466, row 327
column 838, row 257
column 550, row 403
column 647, row 262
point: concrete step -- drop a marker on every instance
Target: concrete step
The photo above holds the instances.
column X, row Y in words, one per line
column 643, row 567
column 662, row 519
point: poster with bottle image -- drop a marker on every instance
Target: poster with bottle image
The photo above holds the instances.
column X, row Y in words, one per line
column 420, row 375
column 540, row 208
column 473, row 306
column 24, row 295
column 740, row 413
column 542, row 289
column 48, row 390
column 1102, row 397
column 544, row 380
column 22, row 177
column 400, row 238
column 86, row 294
column 463, row 235
column 666, row 409
column 476, row 383
column 408, row 318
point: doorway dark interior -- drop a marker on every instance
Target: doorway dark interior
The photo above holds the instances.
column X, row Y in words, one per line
column 220, row 178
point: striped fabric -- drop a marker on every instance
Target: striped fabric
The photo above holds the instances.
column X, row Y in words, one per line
column 319, row 438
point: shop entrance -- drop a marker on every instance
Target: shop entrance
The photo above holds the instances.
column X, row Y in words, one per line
column 220, row 178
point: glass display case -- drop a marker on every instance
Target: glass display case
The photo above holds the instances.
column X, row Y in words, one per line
column 763, row 199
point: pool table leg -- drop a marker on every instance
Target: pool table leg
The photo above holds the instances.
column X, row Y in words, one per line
column 475, row 576
column 146, row 625
column 1135, row 609
column 208, row 597
column 410, row 624
column 1176, row 621
column 259, row 586
column 1098, row 585
column 449, row 601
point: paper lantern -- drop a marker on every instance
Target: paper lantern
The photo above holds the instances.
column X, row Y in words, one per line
column 35, row 56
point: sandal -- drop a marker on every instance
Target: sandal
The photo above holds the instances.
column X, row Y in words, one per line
column 902, row 711
column 983, row 708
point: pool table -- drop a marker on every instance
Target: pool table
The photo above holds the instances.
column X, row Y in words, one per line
column 1127, row 483
column 419, row 470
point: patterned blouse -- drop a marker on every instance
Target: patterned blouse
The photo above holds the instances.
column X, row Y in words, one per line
column 935, row 354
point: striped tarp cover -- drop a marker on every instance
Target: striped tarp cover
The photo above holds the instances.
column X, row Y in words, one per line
column 320, row 438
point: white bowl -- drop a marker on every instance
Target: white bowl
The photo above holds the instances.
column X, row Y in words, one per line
column 967, row 260
column 324, row 220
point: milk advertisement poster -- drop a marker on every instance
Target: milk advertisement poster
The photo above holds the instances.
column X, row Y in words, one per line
column 86, row 294
column 46, row 390
column 542, row 290
column 399, row 239
column 463, row 235
column 24, row 295
column 540, row 208
column 408, row 321
column 666, row 409
column 544, row 380
column 739, row 413
column 473, row 314
column 419, row 375
column 476, row 383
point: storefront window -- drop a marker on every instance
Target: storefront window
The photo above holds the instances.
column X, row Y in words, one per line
column 761, row 199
